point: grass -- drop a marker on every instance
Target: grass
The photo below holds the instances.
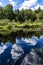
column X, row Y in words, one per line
column 7, row 26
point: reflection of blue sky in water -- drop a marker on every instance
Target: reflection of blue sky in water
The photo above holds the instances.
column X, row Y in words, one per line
column 10, row 54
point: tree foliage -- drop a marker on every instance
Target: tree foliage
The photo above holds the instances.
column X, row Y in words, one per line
column 40, row 15
column 8, row 10
column 1, row 13
column 20, row 15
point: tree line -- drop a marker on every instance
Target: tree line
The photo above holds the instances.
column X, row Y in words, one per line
column 7, row 12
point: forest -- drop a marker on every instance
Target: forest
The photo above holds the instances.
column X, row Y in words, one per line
column 16, row 20
column 7, row 12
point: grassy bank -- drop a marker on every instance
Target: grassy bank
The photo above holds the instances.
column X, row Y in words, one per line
column 9, row 30
column 7, row 26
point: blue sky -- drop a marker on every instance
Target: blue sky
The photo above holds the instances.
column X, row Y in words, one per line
column 23, row 4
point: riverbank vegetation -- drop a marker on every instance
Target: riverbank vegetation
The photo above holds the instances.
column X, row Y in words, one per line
column 20, row 20
column 7, row 26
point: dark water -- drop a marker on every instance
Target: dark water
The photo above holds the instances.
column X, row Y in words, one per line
column 23, row 52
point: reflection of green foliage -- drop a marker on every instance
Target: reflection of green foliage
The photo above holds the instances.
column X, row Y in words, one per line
column 40, row 52
column 39, row 49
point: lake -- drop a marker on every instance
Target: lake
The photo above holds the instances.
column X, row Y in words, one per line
column 23, row 51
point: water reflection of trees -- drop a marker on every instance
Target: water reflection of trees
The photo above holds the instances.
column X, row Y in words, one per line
column 11, row 37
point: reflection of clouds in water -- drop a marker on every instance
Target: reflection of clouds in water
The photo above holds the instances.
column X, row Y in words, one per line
column 40, row 41
column 41, row 36
column 30, row 41
column 16, row 51
column 2, row 48
column 34, row 37
column 31, row 59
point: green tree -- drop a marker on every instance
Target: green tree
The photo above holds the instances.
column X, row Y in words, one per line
column 16, row 14
column 8, row 10
column 40, row 16
column 28, row 14
column 38, row 10
column 31, row 15
column 21, row 16
column 1, row 13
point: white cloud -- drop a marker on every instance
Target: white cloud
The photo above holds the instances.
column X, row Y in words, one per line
column 12, row 2
column 2, row 48
column 32, row 9
column 27, row 4
column 37, row 6
column 16, row 51
column 1, row 3
column 30, row 41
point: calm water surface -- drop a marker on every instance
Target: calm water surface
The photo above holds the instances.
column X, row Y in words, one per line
column 22, row 52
